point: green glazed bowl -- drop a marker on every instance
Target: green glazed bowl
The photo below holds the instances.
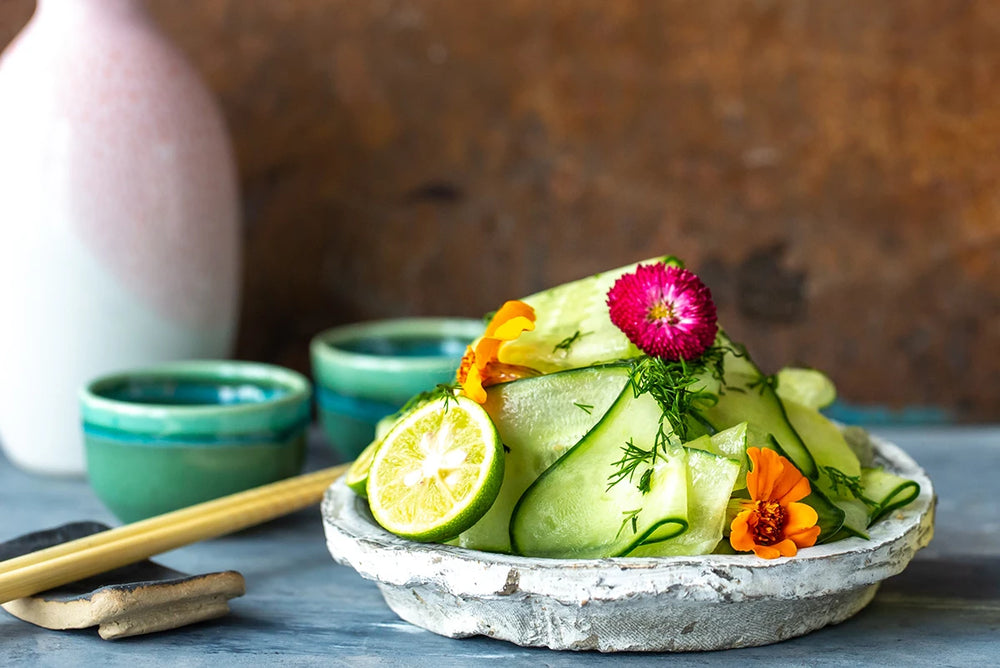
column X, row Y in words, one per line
column 169, row 436
column 365, row 371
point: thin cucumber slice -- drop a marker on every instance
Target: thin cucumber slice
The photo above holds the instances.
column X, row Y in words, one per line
column 858, row 441
column 664, row 513
column 839, row 468
column 572, row 327
column 887, row 492
column 855, row 516
column 710, row 482
column 572, row 511
column 736, row 359
column 823, row 439
column 747, row 398
column 539, row 419
column 732, row 443
column 746, row 395
column 809, row 387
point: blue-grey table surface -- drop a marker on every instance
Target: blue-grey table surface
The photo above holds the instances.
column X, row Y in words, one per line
column 301, row 608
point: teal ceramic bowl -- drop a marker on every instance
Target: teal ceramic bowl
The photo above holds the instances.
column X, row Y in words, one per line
column 165, row 437
column 365, row 371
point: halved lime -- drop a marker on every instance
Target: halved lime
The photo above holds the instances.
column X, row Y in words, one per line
column 808, row 387
column 357, row 475
column 437, row 471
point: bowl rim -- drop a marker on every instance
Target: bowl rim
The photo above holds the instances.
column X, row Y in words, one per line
column 288, row 410
column 324, row 350
column 353, row 536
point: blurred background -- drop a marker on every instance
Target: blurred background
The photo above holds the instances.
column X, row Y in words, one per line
column 829, row 169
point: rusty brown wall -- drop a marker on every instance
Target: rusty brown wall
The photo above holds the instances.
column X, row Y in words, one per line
column 831, row 169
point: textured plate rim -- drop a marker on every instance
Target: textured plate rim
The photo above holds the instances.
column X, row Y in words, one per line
column 352, row 536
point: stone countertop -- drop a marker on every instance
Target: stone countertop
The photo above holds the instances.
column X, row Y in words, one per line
column 301, row 608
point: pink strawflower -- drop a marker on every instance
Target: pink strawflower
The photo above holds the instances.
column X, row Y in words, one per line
column 664, row 310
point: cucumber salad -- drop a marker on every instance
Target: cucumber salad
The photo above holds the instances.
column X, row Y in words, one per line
column 613, row 416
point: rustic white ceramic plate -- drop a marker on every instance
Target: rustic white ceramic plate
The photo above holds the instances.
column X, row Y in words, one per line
column 630, row 604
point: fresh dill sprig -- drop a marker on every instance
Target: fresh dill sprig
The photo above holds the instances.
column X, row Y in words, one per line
column 851, row 483
column 735, row 348
column 644, row 480
column 441, row 391
column 567, row 343
column 631, row 517
column 632, row 457
column 586, row 408
column 677, row 388
column 763, row 382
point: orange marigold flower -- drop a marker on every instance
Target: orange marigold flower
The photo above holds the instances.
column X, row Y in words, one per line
column 481, row 366
column 772, row 523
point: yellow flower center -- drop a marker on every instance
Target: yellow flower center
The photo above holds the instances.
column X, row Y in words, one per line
column 767, row 522
column 661, row 310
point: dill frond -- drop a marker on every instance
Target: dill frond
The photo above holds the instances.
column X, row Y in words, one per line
column 441, row 391
column 567, row 343
column 631, row 517
column 632, row 457
column 676, row 387
column 851, row 483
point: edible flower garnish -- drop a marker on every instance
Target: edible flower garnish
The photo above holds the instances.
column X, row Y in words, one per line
column 480, row 366
column 772, row 523
column 664, row 310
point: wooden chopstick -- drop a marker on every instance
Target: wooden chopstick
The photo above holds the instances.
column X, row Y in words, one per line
column 199, row 513
column 107, row 550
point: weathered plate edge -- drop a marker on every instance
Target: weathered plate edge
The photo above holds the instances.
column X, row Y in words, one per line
column 845, row 573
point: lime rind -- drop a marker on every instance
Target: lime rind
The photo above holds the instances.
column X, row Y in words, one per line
column 357, row 474
column 437, row 471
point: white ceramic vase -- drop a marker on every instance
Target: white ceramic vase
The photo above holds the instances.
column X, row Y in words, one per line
column 119, row 217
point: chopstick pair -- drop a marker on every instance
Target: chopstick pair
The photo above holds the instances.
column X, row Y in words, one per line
column 74, row 560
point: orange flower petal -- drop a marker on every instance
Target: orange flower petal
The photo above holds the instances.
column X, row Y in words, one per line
column 740, row 537
column 767, row 551
column 473, row 386
column 765, row 467
column 799, row 516
column 511, row 329
column 799, row 491
column 774, row 478
column 513, row 318
column 806, row 538
column 468, row 361
column 800, row 524
column 790, row 486
column 486, row 351
column 510, row 310
column 786, row 548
